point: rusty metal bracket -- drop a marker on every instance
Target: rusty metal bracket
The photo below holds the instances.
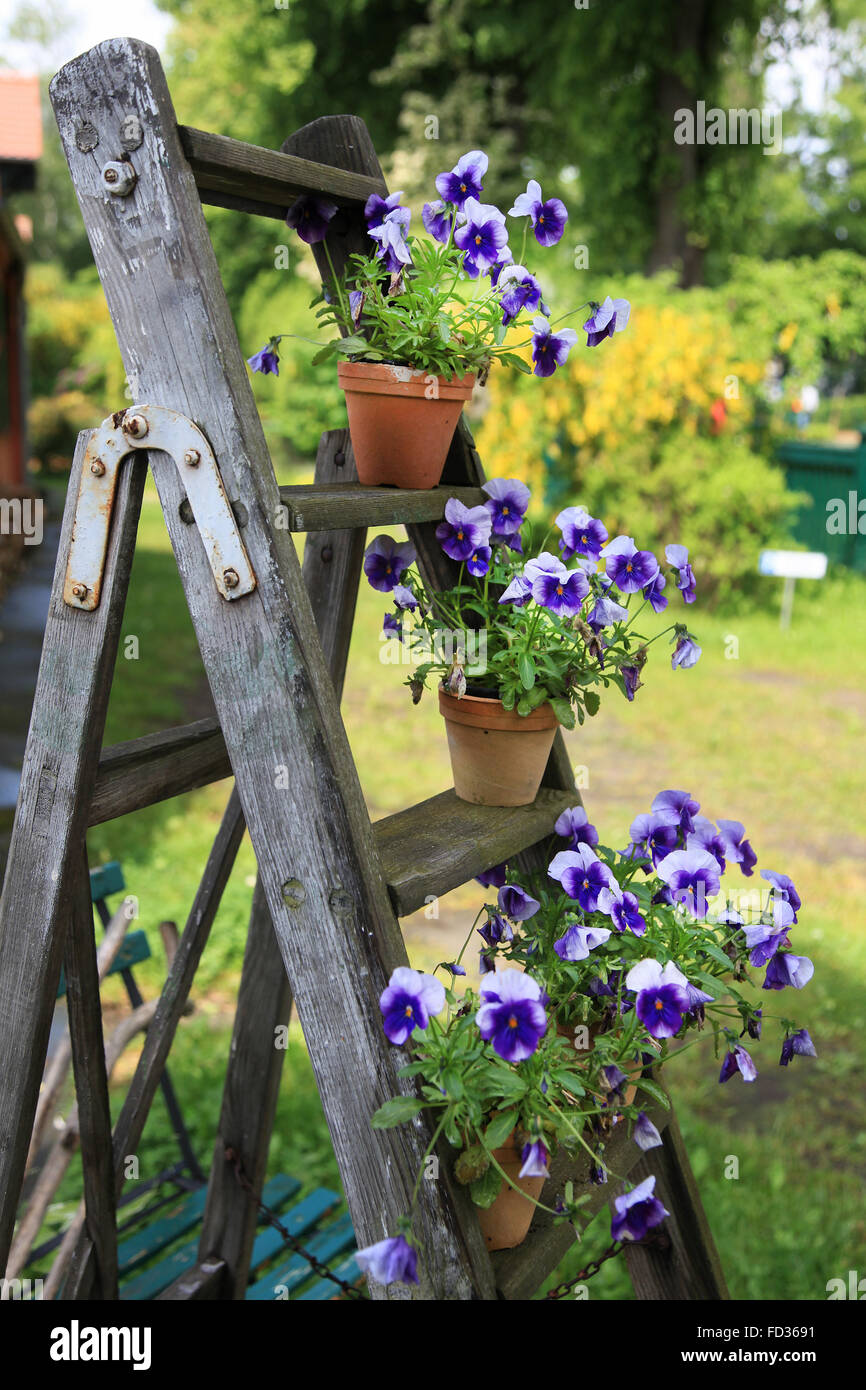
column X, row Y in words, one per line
column 152, row 427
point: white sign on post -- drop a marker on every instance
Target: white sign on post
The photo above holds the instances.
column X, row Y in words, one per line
column 792, row 565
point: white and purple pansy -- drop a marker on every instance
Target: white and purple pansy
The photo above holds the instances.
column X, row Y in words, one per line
column 738, row 1060
column 784, row 887
column 623, row 909
column 797, row 1044
column 391, row 1261
column 637, row 1212
column 483, row 235
column 516, row 903
column 556, row 588
column 512, row 1016
column 550, row 350
column 678, row 558
column 464, row 530
column 386, row 561
column 465, row 179
column 377, row 208
column 582, row 534
column 764, row 939
column 534, row 1158
column 787, row 969
column 627, row 567
column 578, row 941
column 518, row 290
column 662, row 1001
column 408, row 1002
column 606, row 319
column 548, row 218
column 508, row 501
column 573, row 824
column 391, row 235
column 692, row 876
column 737, row 847
column 582, row 875
column 687, row 652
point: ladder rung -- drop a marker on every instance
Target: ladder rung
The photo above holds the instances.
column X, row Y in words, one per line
column 521, row 1272
column 443, row 842
column 230, row 173
column 339, row 506
column 145, row 770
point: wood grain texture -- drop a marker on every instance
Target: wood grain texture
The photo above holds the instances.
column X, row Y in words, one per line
column 91, row 1091
column 78, row 656
column 435, row 846
column 689, row 1266
column 267, row 672
column 254, row 179
column 145, row 770
column 521, row 1271
column 337, row 505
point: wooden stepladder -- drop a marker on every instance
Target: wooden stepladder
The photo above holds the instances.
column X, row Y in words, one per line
column 274, row 641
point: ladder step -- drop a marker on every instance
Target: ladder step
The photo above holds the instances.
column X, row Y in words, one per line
column 339, row 506
column 443, row 842
column 145, row 770
column 231, row 174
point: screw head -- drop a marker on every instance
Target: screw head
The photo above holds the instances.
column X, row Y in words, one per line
column 231, row 579
column 79, row 590
column 136, row 426
column 192, row 457
column 327, row 554
column 97, row 468
column 119, row 178
column 339, row 459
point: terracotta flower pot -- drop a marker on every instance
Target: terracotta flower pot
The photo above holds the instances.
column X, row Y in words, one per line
column 506, row 1222
column 498, row 756
column 401, row 421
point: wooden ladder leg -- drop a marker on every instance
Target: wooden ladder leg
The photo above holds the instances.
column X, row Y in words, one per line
column 91, row 1090
column 313, row 841
column 685, row 1263
column 78, row 656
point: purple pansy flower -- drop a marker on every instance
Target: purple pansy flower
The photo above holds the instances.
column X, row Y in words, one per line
column 627, row 567
column 464, row 530
column 479, row 562
column 582, row 534
column 509, row 499
column 453, row 967
column 559, row 590
column 753, row 1024
column 738, row 1060
column 496, row 930
column 737, row 848
column 518, row 592
column 662, row 1001
column 608, row 318
column 550, row 350
column 385, row 560
column 505, row 258
column 605, row 613
column 518, row 290
column 512, row 1016
column 704, row 835
column 534, row 1158
column 582, row 875
column 573, row 825
column 437, row 220
column 678, row 558
column 637, row 1212
column 623, row 909
column 391, row 626
column 679, row 806
column 483, row 234
column 687, row 653
column 391, row 236
column 548, row 218
column 764, row 939
column 784, row 888
column 408, row 1002
column 692, row 876
column 787, row 969
column 493, row 878
column 653, row 835
column 404, row 598
column 645, row 1134
column 578, row 941
column 516, row 903
column 391, row 1261
column 631, row 680
column 265, row 361
column 697, row 999
column 797, row 1044
column 653, row 593
column 376, row 208
column 309, row 217
column 464, row 180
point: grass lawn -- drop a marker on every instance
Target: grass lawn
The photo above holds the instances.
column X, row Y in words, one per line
column 767, row 729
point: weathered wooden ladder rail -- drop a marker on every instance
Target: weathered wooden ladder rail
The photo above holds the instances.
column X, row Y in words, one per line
column 331, row 887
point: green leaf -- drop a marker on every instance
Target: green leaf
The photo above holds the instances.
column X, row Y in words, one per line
column 324, row 353
column 396, row 1112
column 562, row 708
column 499, row 1128
column 526, row 667
column 592, row 700
column 655, row 1091
column 485, row 1189
column 453, row 1083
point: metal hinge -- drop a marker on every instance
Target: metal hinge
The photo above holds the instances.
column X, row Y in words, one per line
column 152, row 427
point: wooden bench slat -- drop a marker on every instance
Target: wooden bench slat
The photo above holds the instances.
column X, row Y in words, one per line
column 326, row 1245
column 231, row 173
column 341, row 506
column 134, row 948
column 443, row 842
column 324, row 1291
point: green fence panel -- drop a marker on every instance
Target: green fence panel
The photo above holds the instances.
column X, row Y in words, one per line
column 834, row 476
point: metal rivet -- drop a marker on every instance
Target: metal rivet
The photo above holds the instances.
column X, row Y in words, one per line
column 119, row 178
column 79, row 590
column 136, row 425
column 294, row 893
column 231, row 579
column 86, row 137
column 327, row 553
column 192, row 457
column 97, row 467
column 185, row 512
column 339, row 458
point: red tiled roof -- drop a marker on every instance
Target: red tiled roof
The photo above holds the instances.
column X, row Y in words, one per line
column 20, row 117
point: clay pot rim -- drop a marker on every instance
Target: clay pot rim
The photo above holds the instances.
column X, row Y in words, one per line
column 481, row 712
column 379, row 379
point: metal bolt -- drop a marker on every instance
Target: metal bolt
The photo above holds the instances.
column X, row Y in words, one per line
column 111, row 175
column 136, row 425
column 192, row 457
column 79, row 590
column 327, row 553
column 231, row 579
column 339, row 458
column 293, row 893
column 97, row 468
column 119, row 178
